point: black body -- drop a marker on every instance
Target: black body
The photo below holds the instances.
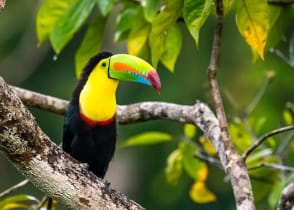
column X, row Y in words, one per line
column 93, row 145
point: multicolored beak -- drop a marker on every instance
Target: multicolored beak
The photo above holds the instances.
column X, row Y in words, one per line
column 133, row 69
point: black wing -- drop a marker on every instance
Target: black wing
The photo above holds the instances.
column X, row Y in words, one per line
column 69, row 126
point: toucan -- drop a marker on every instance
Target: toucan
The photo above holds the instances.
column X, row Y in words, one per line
column 89, row 132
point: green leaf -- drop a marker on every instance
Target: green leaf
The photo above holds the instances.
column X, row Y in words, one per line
column 190, row 130
column 195, row 14
column 151, row 7
column 160, row 25
column 124, row 23
column 91, row 43
column 138, row 37
column 190, row 163
column 240, row 135
column 69, row 23
column 147, row 138
column 254, row 20
column 49, row 12
column 173, row 170
column 105, row 6
column 14, row 200
column 172, row 47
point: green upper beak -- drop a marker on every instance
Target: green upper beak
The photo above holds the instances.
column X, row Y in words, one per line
column 131, row 68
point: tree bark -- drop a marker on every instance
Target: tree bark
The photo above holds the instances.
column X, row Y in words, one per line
column 46, row 165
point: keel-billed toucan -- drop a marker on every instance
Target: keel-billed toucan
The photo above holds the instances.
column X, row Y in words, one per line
column 90, row 124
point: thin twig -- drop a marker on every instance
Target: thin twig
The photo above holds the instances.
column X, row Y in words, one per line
column 208, row 159
column 265, row 137
column 230, row 159
column 268, row 79
column 273, row 166
column 41, row 203
column 14, row 188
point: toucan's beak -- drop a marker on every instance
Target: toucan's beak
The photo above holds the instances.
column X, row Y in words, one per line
column 131, row 68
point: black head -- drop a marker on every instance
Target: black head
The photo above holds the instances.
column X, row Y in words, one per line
column 87, row 70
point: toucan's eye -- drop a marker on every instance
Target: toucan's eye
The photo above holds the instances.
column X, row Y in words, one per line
column 103, row 64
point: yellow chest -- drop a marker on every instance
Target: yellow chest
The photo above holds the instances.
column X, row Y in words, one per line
column 98, row 97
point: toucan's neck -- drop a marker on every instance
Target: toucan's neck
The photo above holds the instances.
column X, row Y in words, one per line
column 97, row 99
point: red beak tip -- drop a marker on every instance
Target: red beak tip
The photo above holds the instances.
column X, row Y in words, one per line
column 154, row 80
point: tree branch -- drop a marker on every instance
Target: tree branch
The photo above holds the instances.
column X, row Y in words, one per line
column 287, row 198
column 51, row 158
column 198, row 114
column 231, row 161
column 46, row 165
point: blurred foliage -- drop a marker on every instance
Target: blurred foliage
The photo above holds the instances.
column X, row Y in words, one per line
column 174, row 35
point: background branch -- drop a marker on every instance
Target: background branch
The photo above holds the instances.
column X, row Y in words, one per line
column 287, row 198
column 231, row 161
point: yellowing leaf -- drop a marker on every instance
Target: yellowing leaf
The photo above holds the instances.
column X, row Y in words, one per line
column 10, row 206
column 189, row 130
column 174, row 167
column 200, row 194
column 202, row 173
column 138, row 37
column 287, row 117
column 207, row 145
column 254, row 20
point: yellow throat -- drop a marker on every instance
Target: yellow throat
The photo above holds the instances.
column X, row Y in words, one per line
column 97, row 98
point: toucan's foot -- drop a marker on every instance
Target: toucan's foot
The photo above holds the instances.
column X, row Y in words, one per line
column 107, row 183
column 107, row 189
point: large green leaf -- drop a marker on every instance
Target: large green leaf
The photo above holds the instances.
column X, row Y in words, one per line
column 124, row 22
column 151, row 7
column 49, row 12
column 254, row 20
column 172, row 47
column 160, row 25
column 147, row 138
column 91, row 43
column 195, row 15
column 190, row 163
column 69, row 23
column 105, row 6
